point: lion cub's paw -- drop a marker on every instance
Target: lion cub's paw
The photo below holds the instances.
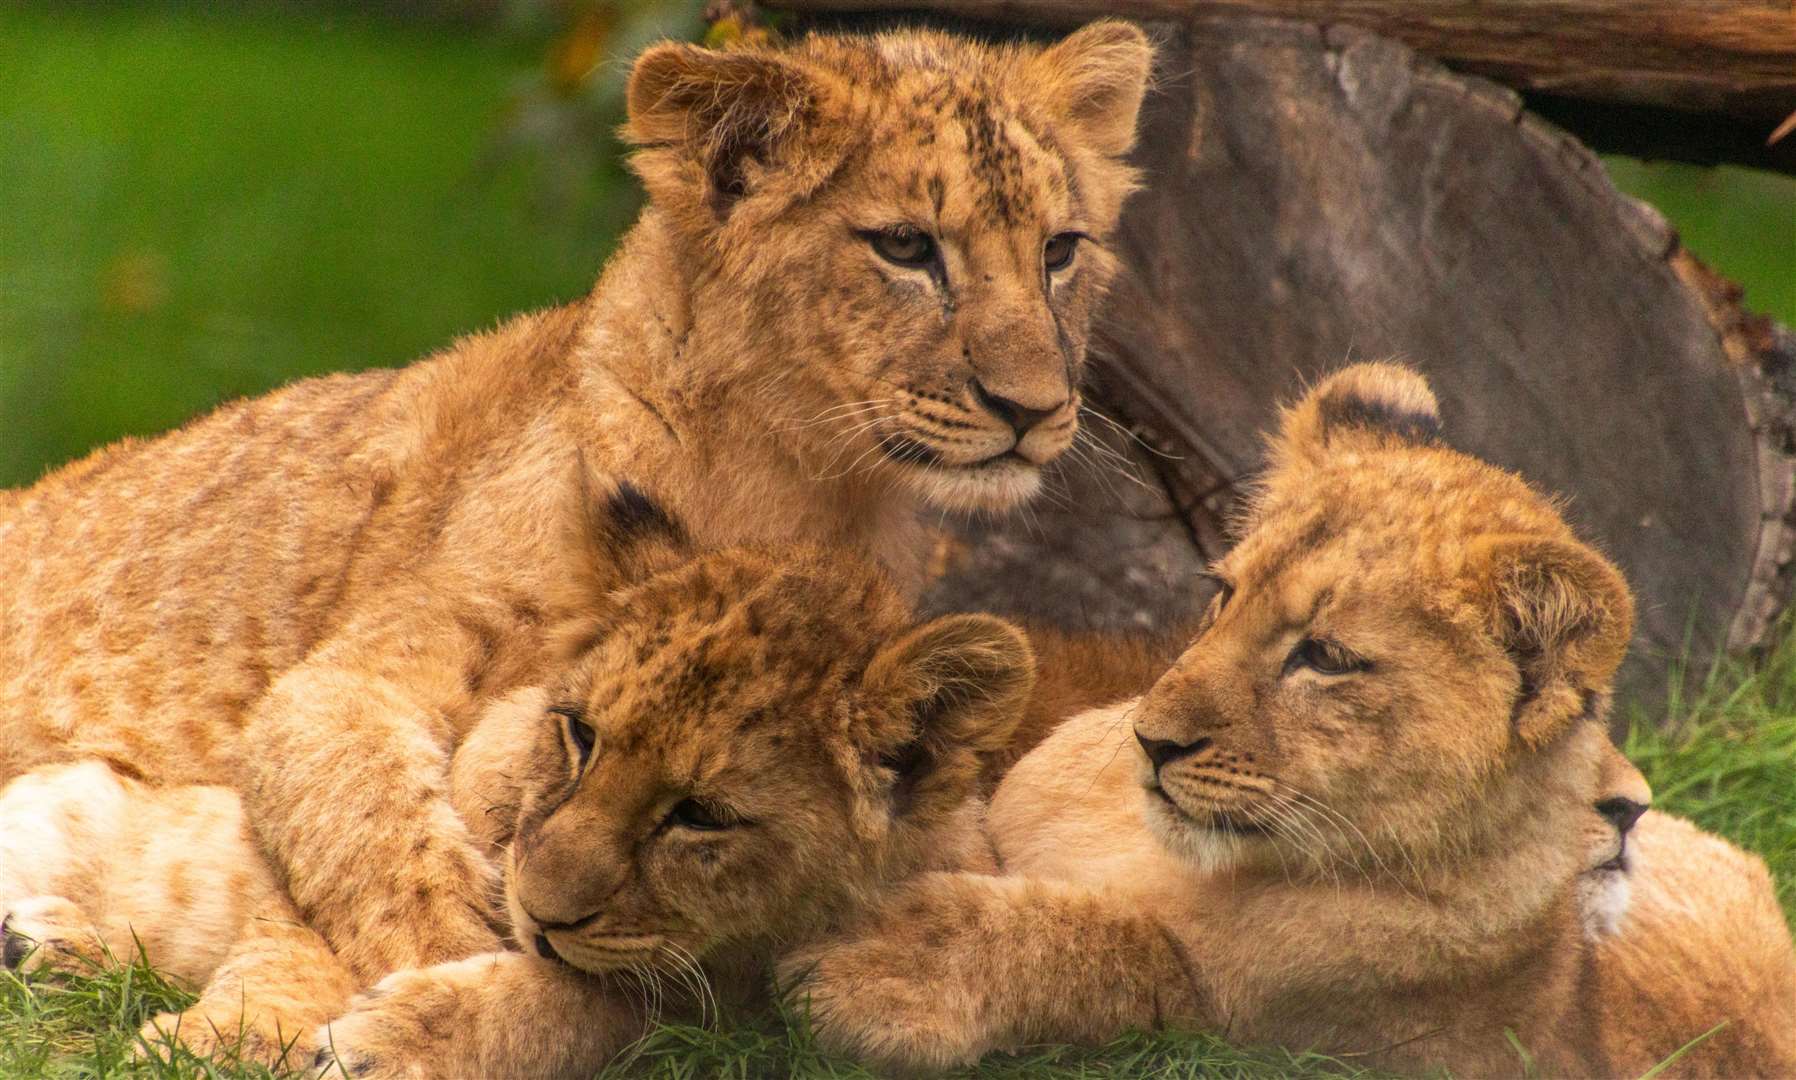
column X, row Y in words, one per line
column 222, row 1035
column 50, row 934
column 880, row 1000
column 414, row 1023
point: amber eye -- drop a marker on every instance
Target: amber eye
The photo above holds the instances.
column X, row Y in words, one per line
column 1325, row 658
column 699, row 815
column 1057, row 253
column 903, row 246
column 579, row 732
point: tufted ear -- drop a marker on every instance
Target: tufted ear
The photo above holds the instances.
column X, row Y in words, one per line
column 1362, row 405
column 730, row 114
column 614, row 536
column 962, row 681
column 1564, row 614
column 1095, row 79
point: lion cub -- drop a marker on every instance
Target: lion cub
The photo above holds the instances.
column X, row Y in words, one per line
column 739, row 749
column 1352, row 817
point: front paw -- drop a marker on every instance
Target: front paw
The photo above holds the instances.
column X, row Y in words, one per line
column 881, row 1001
column 50, row 934
column 413, row 1024
column 209, row 1033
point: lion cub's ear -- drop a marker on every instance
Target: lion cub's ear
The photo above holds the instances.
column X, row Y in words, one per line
column 732, row 114
column 1360, row 406
column 1564, row 614
column 962, row 682
column 1095, row 79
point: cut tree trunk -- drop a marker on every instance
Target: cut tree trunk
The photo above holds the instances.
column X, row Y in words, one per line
column 1627, row 73
column 1314, row 197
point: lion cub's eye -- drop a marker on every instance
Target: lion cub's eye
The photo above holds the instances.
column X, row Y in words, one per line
column 1057, row 253
column 579, row 732
column 700, row 815
column 1325, row 658
column 903, row 246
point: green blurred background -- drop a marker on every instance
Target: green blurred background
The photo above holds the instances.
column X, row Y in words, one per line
column 200, row 201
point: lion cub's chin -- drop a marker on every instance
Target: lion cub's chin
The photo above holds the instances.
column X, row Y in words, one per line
column 1210, row 850
column 994, row 485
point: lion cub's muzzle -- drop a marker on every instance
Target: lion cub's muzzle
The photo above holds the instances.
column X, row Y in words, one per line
column 1208, row 786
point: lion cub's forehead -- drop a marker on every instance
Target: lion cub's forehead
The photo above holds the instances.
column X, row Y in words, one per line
column 1410, row 514
column 734, row 640
column 948, row 133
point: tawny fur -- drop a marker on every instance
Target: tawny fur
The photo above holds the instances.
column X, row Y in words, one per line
column 1366, row 832
column 311, row 596
column 98, row 869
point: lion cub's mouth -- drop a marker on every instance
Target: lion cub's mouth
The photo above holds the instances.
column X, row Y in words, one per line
column 598, row 953
column 911, row 452
column 1231, row 822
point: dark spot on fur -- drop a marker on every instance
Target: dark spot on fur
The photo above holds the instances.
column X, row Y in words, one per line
column 908, row 764
column 633, row 513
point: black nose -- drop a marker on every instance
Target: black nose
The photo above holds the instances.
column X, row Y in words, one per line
column 1020, row 417
column 544, row 949
column 1162, row 751
column 1622, row 812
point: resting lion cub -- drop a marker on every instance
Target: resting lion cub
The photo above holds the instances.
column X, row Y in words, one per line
column 862, row 284
column 743, row 747
column 1350, row 818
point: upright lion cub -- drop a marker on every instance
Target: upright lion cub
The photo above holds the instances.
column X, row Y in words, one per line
column 1351, row 817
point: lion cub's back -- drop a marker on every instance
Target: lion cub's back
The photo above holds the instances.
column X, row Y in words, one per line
column 1071, row 809
column 1704, row 941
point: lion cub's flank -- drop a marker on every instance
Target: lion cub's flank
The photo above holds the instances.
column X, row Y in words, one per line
column 1351, row 817
column 863, row 280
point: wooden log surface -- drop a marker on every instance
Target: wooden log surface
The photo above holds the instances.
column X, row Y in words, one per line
column 1314, row 196
column 1726, row 56
column 1659, row 60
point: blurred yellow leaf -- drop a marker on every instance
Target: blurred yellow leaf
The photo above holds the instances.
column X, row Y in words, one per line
column 134, row 282
column 576, row 54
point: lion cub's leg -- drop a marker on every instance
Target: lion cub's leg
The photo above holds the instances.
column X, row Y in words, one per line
column 957, row 965
column 495, row 1016
column 349, row 793
column 277, row 984
column 96, row 868
column 51, row 933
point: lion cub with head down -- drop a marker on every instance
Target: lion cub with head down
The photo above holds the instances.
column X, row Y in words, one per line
column 739, row 748
column 1351, row 817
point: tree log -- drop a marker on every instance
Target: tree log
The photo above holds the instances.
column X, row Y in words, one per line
column 1732, row 59
column 1318, row 196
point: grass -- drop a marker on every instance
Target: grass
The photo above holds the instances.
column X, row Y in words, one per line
column 194, row 208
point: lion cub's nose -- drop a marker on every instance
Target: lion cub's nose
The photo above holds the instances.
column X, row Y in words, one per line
column 1622, row 812
column 1163, row 751
column 1020, row 417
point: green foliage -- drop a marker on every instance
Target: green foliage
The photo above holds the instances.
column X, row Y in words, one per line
column 86, row 1026
column 199, row 207
column 1741, row 222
